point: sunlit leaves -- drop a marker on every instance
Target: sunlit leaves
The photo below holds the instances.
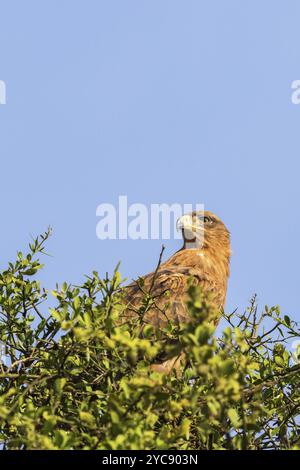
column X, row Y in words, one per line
column 75, row 376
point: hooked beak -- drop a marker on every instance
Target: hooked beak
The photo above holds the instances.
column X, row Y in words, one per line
column 191, row 231
column 184, row 222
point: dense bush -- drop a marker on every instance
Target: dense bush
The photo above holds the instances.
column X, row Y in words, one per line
column 80, row 379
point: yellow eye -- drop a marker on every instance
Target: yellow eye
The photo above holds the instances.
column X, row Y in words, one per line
column 205, row 219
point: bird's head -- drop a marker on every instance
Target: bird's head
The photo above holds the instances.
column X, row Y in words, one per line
column 203, row 229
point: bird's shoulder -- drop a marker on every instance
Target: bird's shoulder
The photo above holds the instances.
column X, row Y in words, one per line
column 172, row 275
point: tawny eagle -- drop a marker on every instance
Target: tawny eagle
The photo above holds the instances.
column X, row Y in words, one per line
column 204, row 258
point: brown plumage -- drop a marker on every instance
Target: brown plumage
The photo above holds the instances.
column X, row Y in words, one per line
column 204, row 257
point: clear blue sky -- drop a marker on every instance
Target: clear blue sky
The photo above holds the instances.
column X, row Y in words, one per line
column 164, row 101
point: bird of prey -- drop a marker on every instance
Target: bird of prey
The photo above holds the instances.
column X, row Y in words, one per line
column 204, row 258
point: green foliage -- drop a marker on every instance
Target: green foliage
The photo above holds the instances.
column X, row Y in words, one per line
column 79, row 378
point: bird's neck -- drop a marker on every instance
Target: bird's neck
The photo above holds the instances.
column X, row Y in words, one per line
column 215, row 259
column 193, row 245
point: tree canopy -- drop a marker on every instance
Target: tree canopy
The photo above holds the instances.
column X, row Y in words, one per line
column 76, row 377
